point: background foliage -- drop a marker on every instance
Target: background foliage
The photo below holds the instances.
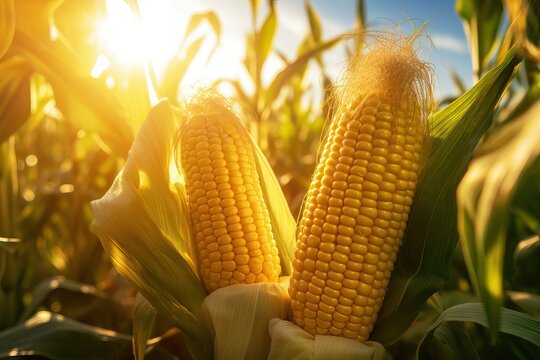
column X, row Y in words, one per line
column 466, row 283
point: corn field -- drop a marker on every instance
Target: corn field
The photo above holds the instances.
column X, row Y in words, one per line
column 301, row 213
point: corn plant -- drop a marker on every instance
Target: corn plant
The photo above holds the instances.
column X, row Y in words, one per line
column 194, row 200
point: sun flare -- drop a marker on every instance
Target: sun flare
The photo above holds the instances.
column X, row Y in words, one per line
column 154, row 36
column 132, row 39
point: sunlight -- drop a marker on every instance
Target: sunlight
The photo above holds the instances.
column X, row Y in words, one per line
column 155, row 37
column 122, row 33
column 132, row 40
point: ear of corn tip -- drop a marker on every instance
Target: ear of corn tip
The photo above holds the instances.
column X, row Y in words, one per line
column 230, row 220
column 357, row 206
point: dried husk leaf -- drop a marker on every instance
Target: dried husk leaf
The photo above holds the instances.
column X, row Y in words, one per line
column 240, row 315
column 292, row 342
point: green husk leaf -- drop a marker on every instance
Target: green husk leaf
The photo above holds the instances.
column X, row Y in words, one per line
column 56, row 337
column 292, row 342
column 240, row 314
column 144, row 316
column 425, row 259
column 283, row 223
column 142, row 224
column 484, row 197
column 281, row 219
column 512, row 322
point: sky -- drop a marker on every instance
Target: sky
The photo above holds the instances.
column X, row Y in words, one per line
column 449, row 49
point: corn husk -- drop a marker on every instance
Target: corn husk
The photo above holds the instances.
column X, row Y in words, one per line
column 240, row 315
column 292, row 342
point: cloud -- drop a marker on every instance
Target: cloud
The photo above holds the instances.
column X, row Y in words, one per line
column 449, row 43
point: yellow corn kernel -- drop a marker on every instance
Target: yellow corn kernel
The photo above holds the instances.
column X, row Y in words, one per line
column 361, row 191
column 228, row 212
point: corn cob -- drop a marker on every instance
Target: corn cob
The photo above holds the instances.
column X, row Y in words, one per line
column 234, row 238
column 357, row 206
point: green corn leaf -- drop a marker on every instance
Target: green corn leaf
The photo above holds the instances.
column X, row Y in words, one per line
column 314, row 21
column 315, row 35
column 144, row 317
column 9, row 193
column 525, row 19
column 525, row 206
column 285, row 75
column 56, row 285
column 242, row 96
column 450, row 341
column 481, row 21
column 457, row 81
column 255, row 8
column 532, row 95
column 176, row 70
column 196, row 20
column 360, row 24
column 529, row 303
column 9, row 243
column 177, row 67
column 15, row 76
column 512, row 322
column 249, row 61
column 484, row 196
column 7, row 25
column 82, row 100
column 265, row 39
column 425, row 259
column 533, row 21
column 525, row 261
column 143, row 226
column 56, row 337
column 68, row 295
column 73, row 23
column 35, row 18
